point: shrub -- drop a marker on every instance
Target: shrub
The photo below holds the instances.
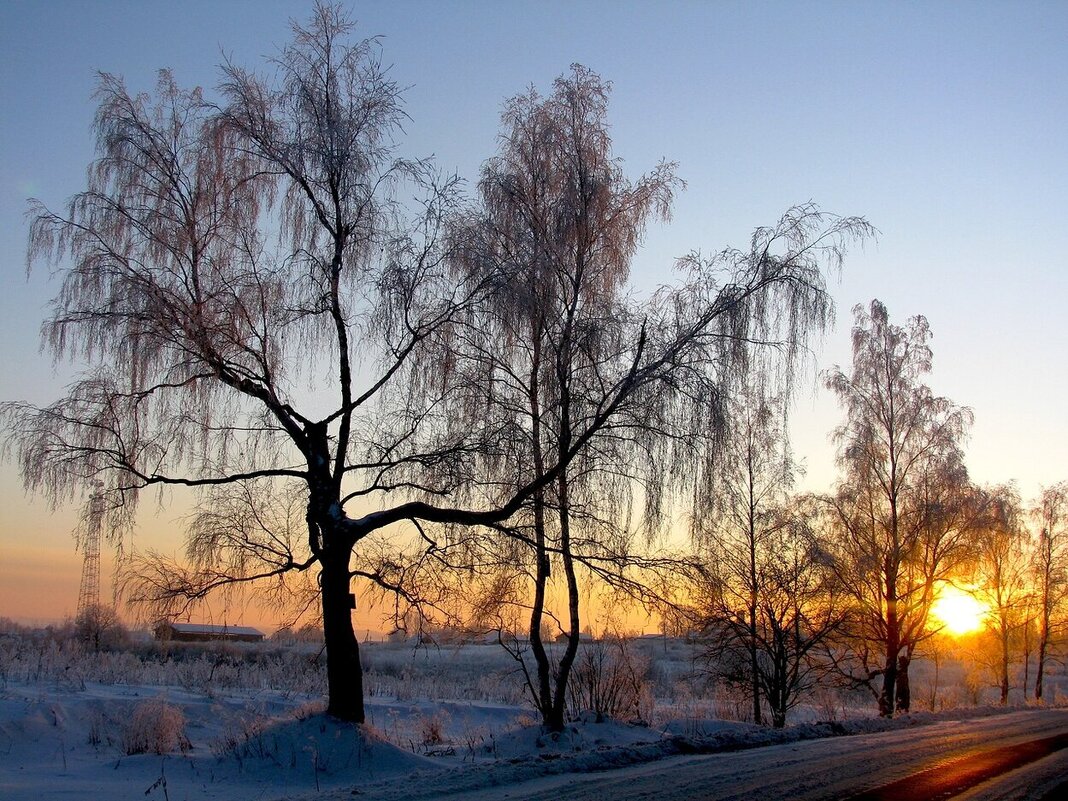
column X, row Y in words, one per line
column 611, row 680
column 155, row 727
column 432, row 729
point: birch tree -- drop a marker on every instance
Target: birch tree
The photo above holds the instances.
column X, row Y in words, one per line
column 560, row 219
column 1051, row 571
column 899, row 450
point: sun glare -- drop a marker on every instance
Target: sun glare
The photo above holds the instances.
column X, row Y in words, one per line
column 958, row 611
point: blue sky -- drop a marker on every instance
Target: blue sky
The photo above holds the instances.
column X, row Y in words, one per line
column 943, row 123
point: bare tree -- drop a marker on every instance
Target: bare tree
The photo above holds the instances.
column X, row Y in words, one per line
column 202, row 329
column 755, row 474
column 900, row 510
column 775, row 644
column 948, row 513
column 1004, row 557
column 560, row 219
column 255, row 305
column 1051, row 570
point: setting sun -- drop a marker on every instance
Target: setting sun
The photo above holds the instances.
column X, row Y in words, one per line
column 958, row 611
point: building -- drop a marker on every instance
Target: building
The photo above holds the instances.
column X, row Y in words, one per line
column 203, row 632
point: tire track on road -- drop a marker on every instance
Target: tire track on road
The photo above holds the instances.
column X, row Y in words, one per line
column 954, row 777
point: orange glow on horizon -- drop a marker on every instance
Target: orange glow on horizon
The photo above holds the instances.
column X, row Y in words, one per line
column 958, row 611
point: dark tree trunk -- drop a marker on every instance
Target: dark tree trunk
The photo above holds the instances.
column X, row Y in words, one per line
column 1040, row 669
column 888, row 695
column 1004, row 664
column 543, row 691
column 779, row 692
column 543, row 699
column 903, row 694
column 754, row 667
column 1046, row 563
column 933, row 701
column 343, row 669
column 555, row 721
column 1026, row 657
column 778, row 717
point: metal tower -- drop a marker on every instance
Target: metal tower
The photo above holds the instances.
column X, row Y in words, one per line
column 89, row 592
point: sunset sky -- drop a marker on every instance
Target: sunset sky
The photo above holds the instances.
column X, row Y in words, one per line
column 942, row 123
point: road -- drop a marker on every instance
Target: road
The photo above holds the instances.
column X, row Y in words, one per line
column 1010, row 757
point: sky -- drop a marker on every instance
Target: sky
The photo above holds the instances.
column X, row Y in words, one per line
column 942, row 123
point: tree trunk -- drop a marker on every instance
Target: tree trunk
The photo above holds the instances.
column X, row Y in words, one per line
column 753, row 666
column 343, row 669
column 903, row 694
column 932, row 702
column 1046, row 563
column 543, row 699
column 888, row 695
column 779, row 692
column 555, row 722
column 1026, row 656
column 1040, row 669
column 1004, row 664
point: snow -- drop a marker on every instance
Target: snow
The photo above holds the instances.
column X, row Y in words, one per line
column 246, row 723
column 72, row 743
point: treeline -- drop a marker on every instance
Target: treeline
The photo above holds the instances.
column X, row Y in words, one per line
column 841, row 587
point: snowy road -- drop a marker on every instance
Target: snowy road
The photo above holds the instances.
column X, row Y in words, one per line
column 835, row 768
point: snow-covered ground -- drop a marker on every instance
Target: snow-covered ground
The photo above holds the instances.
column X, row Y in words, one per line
column 73, row 743
column 204, row 723
column 76, row 743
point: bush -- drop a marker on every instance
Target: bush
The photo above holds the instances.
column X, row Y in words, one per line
column 155, row 727
column 611, row 680
column 432, row 729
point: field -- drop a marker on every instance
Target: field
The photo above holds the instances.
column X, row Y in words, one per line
column 245, row 721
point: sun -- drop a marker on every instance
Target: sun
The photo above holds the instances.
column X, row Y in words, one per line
column 958, row 611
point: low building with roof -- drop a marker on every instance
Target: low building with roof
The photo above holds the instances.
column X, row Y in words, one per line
column 206, row 632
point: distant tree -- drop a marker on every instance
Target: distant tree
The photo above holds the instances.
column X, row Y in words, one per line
column 754, row 476
column 1051, row 571
column 1004, row 557
column 255, row 304
column 948, row 511
column 902, row 513
column 100, row 627
column 777, row 647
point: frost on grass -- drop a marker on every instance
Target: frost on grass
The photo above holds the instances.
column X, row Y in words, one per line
column 155, row 727
column 250, row 721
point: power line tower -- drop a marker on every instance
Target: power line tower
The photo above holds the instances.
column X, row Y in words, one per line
column 89, row 592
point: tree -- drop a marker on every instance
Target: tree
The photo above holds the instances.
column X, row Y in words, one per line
column 902, row 511
column 1002, row 565
column 198, row 324
column 774, row 644
column 561, row 220
column 948, row 510
column 257, row 307
column 1051, row 569
column 755, row 473
column 99, row 627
